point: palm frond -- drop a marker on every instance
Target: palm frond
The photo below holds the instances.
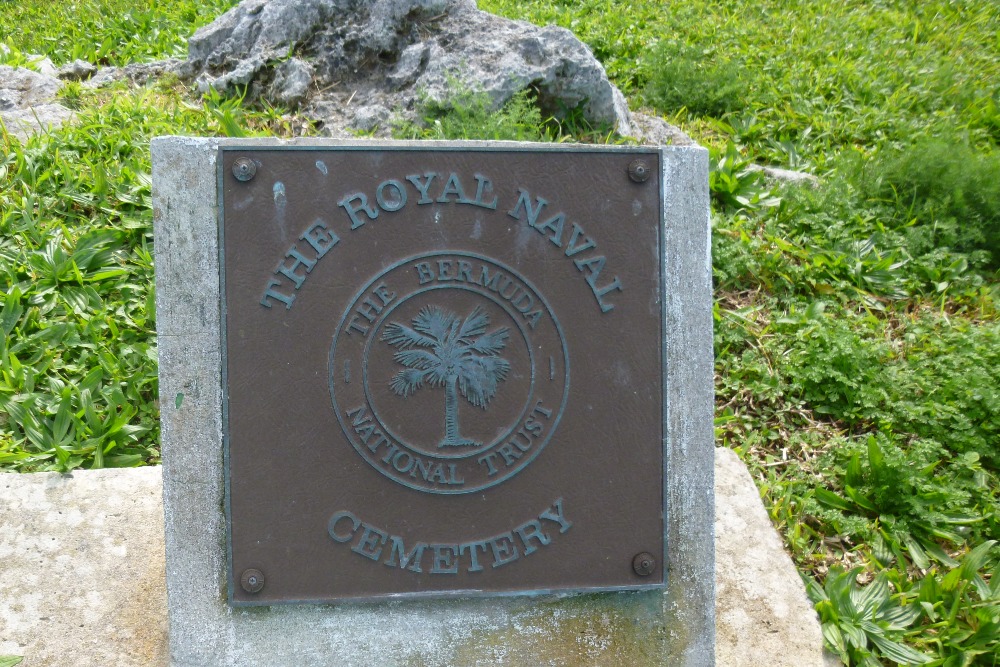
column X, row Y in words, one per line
column 474, row 324
column 479, row 377
column 416, row 358
column 492, row 342
column 434, row 322
column 403, row 337
column 405, row 382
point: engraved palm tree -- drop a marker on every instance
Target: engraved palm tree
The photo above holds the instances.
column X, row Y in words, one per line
column 443, row 350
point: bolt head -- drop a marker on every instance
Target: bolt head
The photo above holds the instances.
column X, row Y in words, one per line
column 252, row 580
column 244, row 169
column 644, row 564
column 638, row 171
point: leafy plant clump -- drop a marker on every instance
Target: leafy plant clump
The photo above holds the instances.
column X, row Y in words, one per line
column 471, row 115
column 78, row 374
column 948, row 617
column 947, row 190
column 701, row 81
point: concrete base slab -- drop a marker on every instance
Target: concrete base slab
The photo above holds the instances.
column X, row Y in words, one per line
column 82, row 578
column 83, row 581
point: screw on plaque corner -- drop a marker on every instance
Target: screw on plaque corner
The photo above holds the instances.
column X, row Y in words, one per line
column 244, row 169
column 644, row 564
column 638, row 171
column 252, row 580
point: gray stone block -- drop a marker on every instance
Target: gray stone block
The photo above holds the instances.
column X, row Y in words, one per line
column 689, row 404
column 84, row 585
column 762, row 612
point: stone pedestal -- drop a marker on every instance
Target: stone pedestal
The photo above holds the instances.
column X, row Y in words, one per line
column 670, row 626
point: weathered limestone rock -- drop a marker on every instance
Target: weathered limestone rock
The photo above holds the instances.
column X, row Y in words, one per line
column 136, row 73
column 27, row 101
column 21, row 88
column 291, row 82
column 370, row 117
column 42, row 65
column 83, row 585
column 22, row 123
column 786, row 175
column 78, row 70
column 396, row 53
column 655, row 131
column 763, row 616
column 39, row 63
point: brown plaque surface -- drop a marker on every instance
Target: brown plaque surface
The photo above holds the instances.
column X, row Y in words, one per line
column 443, row 371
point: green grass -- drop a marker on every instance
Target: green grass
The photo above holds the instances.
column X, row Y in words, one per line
column 821, row 76
column 78, row 383
column 857, row 334
column 104, row 32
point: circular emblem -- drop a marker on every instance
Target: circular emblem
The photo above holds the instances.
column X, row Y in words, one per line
column 449, row 372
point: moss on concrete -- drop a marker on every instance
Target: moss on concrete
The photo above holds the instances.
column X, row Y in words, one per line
column 608, row 629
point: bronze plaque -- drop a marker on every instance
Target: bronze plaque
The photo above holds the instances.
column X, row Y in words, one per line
column 443, row 370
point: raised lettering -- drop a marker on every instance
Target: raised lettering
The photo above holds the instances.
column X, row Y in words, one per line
column 320, row 238
column 359, row 415
column 382, row 440
column 484, row 186
column 504, row 549
column 421, row 466
column 532, row 530
column 438, row 475
column 402, row 467
column 555, row 224
column 445, row 559
column 533, row 427
column 370, row 543
column 398, row 200
column 492, row 284
column 453, row 187
column 474, row 565
column 271, row 293
column 600, row 292
column 397, row 553
column 488, row 460
column 524, row 200
column 556, row 516
column 572, row 248
column 509, row 454
column 393, row 448
column 422, row 187
column 354, row 325
column 542, row 411
column 384, row 294
column 464, row 272
column 352, row 211
column 365, row 432
column 424, row 272
column 331, row 527
column 298, row 260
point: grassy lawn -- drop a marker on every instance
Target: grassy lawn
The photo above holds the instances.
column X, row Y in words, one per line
column 857, row 332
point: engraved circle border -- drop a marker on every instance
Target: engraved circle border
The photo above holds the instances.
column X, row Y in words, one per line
column 558, row 414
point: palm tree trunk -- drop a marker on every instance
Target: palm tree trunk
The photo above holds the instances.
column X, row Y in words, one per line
column 451, row 436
